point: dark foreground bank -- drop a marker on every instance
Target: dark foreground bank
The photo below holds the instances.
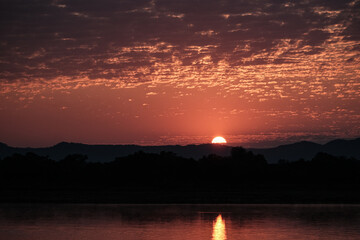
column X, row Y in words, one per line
column 166, row 178
column 288, row 194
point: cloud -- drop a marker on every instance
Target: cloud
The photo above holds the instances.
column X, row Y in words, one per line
column 115, row 39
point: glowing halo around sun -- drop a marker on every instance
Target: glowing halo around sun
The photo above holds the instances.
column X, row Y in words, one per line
column 218, row 140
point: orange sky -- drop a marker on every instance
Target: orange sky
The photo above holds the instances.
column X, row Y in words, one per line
column 171, row 72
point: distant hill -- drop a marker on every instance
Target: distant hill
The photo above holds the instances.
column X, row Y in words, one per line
column 106, row 153
column 307, row 150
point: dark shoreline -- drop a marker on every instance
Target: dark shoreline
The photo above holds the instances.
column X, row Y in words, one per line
column 143, row 178
column 286, row 194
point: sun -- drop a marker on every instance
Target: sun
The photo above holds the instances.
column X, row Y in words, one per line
column 218, row 140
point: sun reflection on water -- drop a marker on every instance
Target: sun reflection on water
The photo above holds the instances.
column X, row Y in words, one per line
column 219, row 232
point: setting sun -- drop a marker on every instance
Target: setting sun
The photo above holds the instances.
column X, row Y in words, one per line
column 218, row 140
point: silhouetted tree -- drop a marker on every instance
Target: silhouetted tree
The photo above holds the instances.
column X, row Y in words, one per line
column 26, row 170
column 72, row 168
column 166, row 172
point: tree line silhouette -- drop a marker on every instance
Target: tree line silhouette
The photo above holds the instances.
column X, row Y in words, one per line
column 241, row 171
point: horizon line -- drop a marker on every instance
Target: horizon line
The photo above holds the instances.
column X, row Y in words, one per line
column 183, row 145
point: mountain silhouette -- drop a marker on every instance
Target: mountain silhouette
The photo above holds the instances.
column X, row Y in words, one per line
column 307, row 150
column 106, row 153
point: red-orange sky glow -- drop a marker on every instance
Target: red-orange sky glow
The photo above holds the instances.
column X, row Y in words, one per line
column 156, row 72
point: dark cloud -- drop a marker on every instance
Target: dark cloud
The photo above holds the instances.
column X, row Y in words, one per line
column 315, row 37
column 352, row 32
column 47, row 39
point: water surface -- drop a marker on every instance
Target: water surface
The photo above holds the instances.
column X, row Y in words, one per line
column 175, row 222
